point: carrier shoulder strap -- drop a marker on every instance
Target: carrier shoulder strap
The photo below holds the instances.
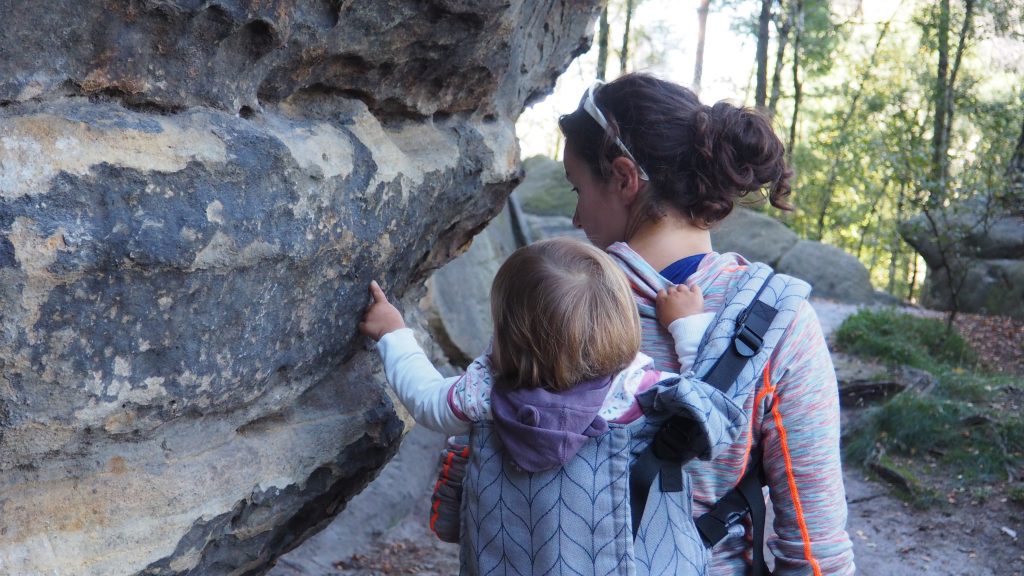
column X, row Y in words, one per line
column 751, row 326
column 746, row 497
column 675, row 444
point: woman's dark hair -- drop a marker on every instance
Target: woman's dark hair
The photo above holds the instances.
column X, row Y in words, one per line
column 700, row 159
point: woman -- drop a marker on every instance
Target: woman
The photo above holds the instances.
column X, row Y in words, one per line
column 653, row 169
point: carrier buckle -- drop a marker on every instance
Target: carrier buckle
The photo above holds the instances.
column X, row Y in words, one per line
column 747, row 342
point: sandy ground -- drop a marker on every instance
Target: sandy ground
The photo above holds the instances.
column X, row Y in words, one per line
column 890, row 538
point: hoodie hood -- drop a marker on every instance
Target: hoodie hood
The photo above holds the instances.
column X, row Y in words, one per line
column 543, row 429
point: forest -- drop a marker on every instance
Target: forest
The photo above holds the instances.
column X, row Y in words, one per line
column 888, row 110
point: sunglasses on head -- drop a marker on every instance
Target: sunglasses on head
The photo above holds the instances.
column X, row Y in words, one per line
column 591, row 108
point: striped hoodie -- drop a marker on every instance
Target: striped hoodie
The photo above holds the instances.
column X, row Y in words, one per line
column 799, row 439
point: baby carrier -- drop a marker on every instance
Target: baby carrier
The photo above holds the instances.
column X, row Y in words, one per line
column 623, row 503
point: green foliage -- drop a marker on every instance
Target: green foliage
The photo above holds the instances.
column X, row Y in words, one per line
column 863, row 153
column 1016, row 493
column 962, row 425
column 556, row 201
column 899, row 338
column 967, row 439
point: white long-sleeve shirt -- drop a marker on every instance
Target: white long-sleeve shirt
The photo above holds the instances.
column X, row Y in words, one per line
column 450, row 405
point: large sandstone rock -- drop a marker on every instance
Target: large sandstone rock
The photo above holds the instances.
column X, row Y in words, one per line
column 544, row 190
column 971, row 228
column 193, row 198
column 831, row 272
column 983, row 245
column 548, row 204
column 460, row 292
column 758, row 237
column 989, row 287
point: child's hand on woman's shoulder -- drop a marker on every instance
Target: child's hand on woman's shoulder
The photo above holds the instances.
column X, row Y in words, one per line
column 381, row 317
column 678, row 301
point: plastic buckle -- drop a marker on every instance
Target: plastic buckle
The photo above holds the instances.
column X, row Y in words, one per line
column 746, row 342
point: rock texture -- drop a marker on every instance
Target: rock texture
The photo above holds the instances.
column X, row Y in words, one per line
column 193, row 198
column 459, row 293
column 977, row 244
column 832, row 272
column 759, row 237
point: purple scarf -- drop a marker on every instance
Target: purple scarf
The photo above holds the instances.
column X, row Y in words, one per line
column 543, row 429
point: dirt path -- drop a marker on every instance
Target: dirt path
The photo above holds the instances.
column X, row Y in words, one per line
column 966, row 536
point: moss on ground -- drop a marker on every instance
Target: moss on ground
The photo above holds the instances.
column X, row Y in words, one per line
column 967, row 433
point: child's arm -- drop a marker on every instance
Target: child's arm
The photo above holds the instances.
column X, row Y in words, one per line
column 418, row 384
column 680, row 310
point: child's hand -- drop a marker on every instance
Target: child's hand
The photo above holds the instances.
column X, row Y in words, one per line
column 675, row 302
column 381, row 317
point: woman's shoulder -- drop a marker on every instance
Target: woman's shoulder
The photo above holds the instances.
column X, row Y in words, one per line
column 717, row 274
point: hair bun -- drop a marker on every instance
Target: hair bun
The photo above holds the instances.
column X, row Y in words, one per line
column 737, row 152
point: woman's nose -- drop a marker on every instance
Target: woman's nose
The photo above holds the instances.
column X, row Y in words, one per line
column 576, row 218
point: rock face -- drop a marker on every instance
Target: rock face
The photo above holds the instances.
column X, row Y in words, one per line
column 759, row 237
column 985, row 248
column 193, row 198
column 832, row 272
column 460, row 293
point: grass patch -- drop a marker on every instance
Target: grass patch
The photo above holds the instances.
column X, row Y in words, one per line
column 897, row 338
column 968, row 430
column 1016, row 493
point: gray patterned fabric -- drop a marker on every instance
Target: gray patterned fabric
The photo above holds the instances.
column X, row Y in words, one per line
column 783, row 292
column 576, row 519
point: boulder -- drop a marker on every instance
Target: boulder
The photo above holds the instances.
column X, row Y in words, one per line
column 976, row 243
column 973, row 229
column 544, row 190
column 460, row 293
column 831, row 272
column 193, row 199
column 864, row 383
column 757, row 236
column 993, row 287
column 548, row 205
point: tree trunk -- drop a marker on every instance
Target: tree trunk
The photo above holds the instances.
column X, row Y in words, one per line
column 785, row 22
column 761, row 87
column 798, row 20
column 940, row 94
column 896, row 245
column 702, row 25
column 1015, row 176
column 624, row 54
column 913, row 276
column 872, row 219
column 941, row 151
column 602, row 44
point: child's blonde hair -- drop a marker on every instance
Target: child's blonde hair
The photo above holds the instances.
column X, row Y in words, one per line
column 563, row 312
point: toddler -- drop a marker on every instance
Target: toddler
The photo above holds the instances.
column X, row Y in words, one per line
column 564, row 323
column 563, row 368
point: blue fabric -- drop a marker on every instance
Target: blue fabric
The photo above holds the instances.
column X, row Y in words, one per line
column 680, row 270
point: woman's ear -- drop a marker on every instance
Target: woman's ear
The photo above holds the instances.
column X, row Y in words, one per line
column 625, row 179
